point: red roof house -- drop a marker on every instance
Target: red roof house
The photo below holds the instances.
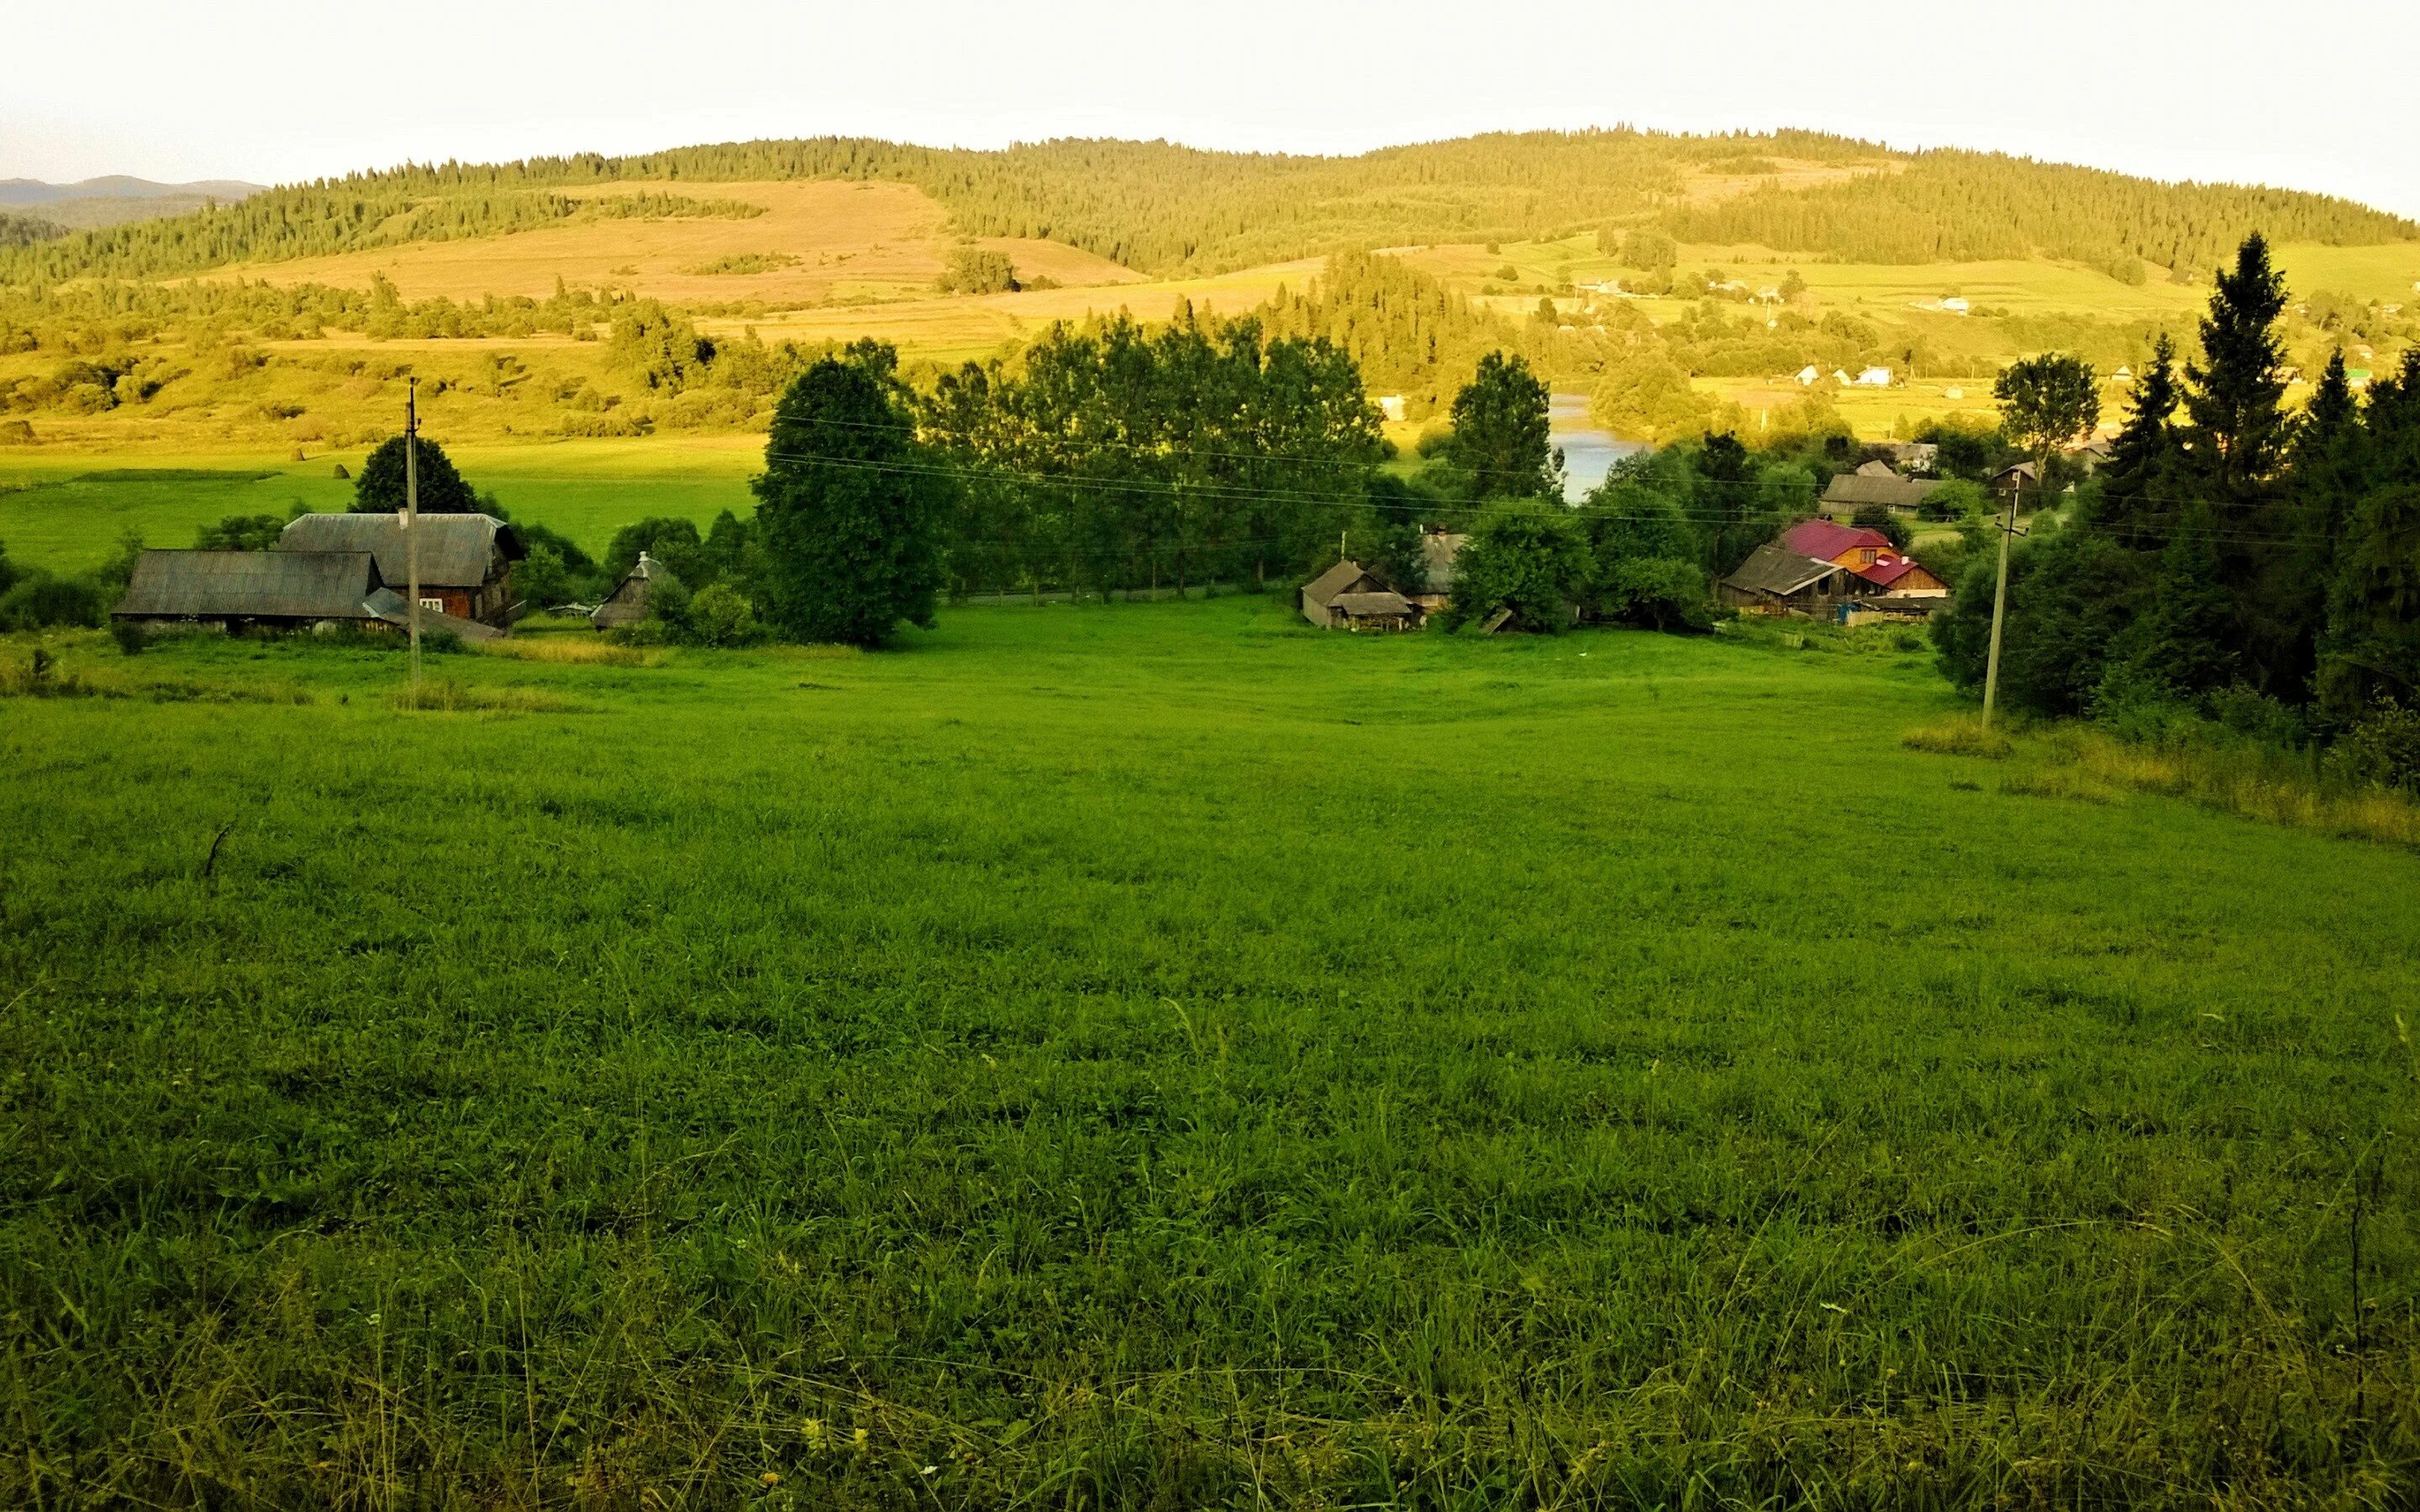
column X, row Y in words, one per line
column 1847, row 545
column 1895, row 574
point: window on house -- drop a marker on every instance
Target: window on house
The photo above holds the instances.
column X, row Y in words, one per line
column 436, row 604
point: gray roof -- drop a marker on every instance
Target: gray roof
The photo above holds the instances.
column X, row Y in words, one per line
column 263, row 585
column 627, row 603
column 1779, row 571
column 1361, row 606
column 1864, row 488
column 1439, row 551
column 1321, row 590
column 456, row 551
column 396, row 610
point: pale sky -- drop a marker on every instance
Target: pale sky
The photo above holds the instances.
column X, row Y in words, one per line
column 2313, row 95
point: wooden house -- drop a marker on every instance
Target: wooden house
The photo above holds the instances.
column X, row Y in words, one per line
column 1383, row 609
column 628, row 604
column 1849, row 492
column 466, row 561
column 1318, row 595
column 1776, row 579
column 1846, row 545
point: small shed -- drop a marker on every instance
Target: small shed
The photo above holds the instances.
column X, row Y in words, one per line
column 2016, row 476
column 1379, row 610
column 1777, row 581
column 627, row 603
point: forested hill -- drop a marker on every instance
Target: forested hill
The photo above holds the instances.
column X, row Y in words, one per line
column 1168, row 209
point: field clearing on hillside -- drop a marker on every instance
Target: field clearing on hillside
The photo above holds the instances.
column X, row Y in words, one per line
column 950, row 328
column 68, row 513
column 1168, row 1055
column 849, row 239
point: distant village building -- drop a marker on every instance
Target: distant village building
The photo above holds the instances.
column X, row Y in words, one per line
column 1915, row 457
column 2016, row 476
column 1391, row 406
column 1848, row 492
column 1808, row 376
column 1777, row 581
column 1956, row 304
column 466, row 561
column 1817, row 569
column 1440, row 550
column 630, row 601
column 1874, row 377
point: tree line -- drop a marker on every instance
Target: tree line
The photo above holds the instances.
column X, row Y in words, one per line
column 1171, row 209
column 2233, row 556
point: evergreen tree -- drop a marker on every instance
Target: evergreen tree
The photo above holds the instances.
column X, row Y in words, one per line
column 2371, row 650
column 1501, row 432
column 2134, row 499
column 848, row 508
column 2236, row 395
column 379, row 487
column 2187, row 640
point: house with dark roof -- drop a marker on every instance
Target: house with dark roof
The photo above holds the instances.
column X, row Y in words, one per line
column 630, row 601
column 1776, row 579
column 274, row 590
column 466, row 561
column 1318, row 595
column 1851, row 491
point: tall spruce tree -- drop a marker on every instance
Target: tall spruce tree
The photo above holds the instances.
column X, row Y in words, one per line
column 848, row 507
column 2326, row 473
column 2371, row 650
column 2237, row 393
column 2187, row 640
column 2134, row 501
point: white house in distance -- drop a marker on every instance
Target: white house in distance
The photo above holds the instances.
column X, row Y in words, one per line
column 1391, row 405
column 1874, row 377
column 1808, row 376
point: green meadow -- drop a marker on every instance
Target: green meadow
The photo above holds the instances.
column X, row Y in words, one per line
column 1166, row 1055
column 68, row 513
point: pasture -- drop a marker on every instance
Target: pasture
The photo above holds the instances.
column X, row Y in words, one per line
column 1163, row 1055
column 68, row 513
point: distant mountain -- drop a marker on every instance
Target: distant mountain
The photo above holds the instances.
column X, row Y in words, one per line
column 119, row 186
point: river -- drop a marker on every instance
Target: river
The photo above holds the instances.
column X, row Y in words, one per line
column 1588, row 454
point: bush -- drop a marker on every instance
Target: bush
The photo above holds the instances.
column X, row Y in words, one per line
column 1524, row 555
column 2381, row 750
column 719, row 615
column 130, row 636
column 42, row 602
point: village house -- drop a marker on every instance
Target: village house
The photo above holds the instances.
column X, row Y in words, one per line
column 274, row 590
column 466, row 561
column 1440, row 548
column 1347, row 596
column 630, row 600
column 1848, row 492
column 1777, row 581
column 1818, row 569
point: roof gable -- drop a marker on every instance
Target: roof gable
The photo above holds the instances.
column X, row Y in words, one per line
column 1824, row 540
column 1776, row 569
column 1346, row 577
column 456, row 551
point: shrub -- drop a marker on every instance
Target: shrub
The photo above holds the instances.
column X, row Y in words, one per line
column 130, row 636
column 719, row 615
column 2381, row 750
column 42, row 602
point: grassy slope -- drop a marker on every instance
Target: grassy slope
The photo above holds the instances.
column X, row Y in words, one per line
column 1095, row 1050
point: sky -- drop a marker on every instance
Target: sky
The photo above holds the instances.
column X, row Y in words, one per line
column 2308, row 95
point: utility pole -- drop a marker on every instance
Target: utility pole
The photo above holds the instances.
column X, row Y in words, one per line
column 1999, row 611
column 411, row 535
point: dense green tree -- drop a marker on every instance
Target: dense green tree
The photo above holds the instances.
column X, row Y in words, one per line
column 240, row 533
column 1527, row 555
column 2186, row 640
column 2046, row 402
column 1645, row 395
column 379, row 487
column 2135, row 498
column 2370, row 654
column 667, row 539
column 2072, row 595
column 849, row 507
column 2235, row 395
column 1500, row 431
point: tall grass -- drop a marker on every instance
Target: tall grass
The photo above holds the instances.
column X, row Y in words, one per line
column 1163, row 1055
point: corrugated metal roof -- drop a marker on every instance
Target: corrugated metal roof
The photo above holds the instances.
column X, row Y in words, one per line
column 1778, row 570
column 1825, row 541
column 253, row 585
column 396, row 610
column 456, row 551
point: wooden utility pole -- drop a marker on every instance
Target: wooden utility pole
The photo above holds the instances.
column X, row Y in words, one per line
column 1999, row 611
column 412, row 521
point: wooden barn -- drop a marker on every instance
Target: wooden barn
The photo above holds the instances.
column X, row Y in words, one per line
column 1777, row 581
column 466, row 561
column 274, row 590
column 1318, row 595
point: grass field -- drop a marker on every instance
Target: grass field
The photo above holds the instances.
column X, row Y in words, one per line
column 1165, row 1056
column 69, row 513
